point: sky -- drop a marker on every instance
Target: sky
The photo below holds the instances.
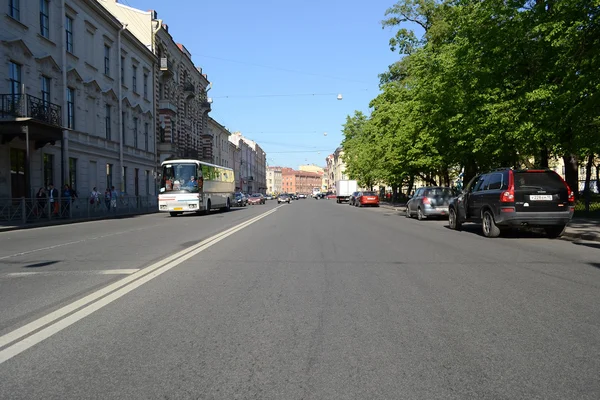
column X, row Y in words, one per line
column 276, row 67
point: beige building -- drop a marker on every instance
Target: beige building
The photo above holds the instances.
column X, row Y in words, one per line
column 181, row 87
column 77, row 101
column 311, row 168
column 253, row 164
column 274, row 180
column 221, row 153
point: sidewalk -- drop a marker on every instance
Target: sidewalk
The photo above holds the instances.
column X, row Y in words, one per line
column 13, row 226
column 578, row 228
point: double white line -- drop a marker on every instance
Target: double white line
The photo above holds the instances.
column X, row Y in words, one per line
column 54, row 322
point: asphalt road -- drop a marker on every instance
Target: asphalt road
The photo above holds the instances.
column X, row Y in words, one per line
column 311, row 300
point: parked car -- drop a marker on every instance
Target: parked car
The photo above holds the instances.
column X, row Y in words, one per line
column 366, row 199
column 256, row 198
column 352, row 198
column 509, row 198
column 283, row 198
column 301, row 196
column 330, row 196
column 268, row 197
column 429, row 202
column 240, row 200
column 293, row 196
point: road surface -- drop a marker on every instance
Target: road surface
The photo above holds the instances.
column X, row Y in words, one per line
column 311, row 300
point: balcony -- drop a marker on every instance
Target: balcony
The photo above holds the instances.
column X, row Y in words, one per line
column 166, row 67
column 27, row 106
column 29, row 118
column 166, row 106
column 189, row 90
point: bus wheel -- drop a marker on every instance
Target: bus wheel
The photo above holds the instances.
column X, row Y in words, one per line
column 207, row 211
column 173, row 213
column 227, row 207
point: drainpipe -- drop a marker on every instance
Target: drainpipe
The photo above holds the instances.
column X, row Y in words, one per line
column 120, row 94
column 64, row 145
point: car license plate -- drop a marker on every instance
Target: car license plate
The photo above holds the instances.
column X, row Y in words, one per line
column 538, row 197
column 178, row 208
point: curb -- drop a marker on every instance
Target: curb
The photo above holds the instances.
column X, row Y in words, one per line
column 582, row 236
column 69, row 221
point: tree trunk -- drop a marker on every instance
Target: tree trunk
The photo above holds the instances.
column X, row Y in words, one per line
column 571, row 175
column 470, row 172
column 598, row 178
column 411, row 182
column 542, row 159
column 394, row 193
column 588, row 177
column 446, row 177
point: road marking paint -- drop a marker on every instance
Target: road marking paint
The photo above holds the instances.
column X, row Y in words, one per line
column 23, row 253
column 105, row 296
column 124, row 271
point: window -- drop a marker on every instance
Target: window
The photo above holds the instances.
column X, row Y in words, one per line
column 146, row 127
column 145, row 86
column 494, row 182
column 134, row 78
column 45, row 90
column 109, row 176
column 69, row 30
column 135, row 132
column 44, row 20
column 107, row 59
column 14, row 9
column 123, row 118
column 136, row 182
column 73, row 173
column 17, row 173
column 124, row 180
column 48, row 169
column 107, row 121
column 147, row 176
column 122, row 70
column 15, row 78
column 70, row 108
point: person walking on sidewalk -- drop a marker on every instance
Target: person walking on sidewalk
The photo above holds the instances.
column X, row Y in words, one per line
column 113, row 199
column 53, row 199
column 107, row 199
column 94, row 198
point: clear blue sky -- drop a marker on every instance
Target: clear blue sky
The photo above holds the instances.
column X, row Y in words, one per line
column 234, row 42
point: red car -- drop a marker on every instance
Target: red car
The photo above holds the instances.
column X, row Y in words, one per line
column 256, row 198
column 367, row 199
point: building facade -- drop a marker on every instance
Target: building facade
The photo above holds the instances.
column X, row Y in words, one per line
column 253, row 164
column 182, row 104
column 221, row 153
column 69, row 113
column 274, row 180
column 311, row 168
column 293, row 181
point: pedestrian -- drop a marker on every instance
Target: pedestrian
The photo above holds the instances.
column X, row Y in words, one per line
column 53, row 199
column 107, row 199
column 94, row 198
column 113, row 198
column 40, row 201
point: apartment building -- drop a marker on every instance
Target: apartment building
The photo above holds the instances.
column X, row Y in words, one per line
column 253, row 164
column 274, row 177
column 221, row 153
column 77, row 101
column 293, row 181
column 181, row 87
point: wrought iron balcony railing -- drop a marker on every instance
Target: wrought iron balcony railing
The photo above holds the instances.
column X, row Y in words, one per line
column 27, row 106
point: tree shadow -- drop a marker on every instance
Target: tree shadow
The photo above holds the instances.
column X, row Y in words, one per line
column 523, row 233
column 592, row 245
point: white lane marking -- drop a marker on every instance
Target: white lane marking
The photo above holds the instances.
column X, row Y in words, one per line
column 106, row 295
column 73, row 242
column 124, row 271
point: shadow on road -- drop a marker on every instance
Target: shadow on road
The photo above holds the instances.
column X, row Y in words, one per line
column 530, row 233
column 592, row 245
column 40, row 264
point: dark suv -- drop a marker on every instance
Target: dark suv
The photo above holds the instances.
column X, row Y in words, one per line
column 509, row 198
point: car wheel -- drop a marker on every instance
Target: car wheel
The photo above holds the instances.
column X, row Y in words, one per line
column 554, row 231
column 407, row 213
column 490, row 229
column 207, row 211
column 420, row 215
column 173, row 214
column 227, row 207
column 453, row 220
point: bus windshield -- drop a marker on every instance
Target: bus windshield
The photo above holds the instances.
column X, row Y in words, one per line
column 180, row 177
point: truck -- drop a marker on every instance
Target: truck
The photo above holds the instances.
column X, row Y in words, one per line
column 344, row 189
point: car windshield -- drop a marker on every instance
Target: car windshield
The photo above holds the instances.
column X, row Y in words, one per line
column 439, row 192
column 180, row 177
column 255, row 195
column 369, row 194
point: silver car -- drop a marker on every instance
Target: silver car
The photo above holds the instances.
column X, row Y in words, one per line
column 430, row 202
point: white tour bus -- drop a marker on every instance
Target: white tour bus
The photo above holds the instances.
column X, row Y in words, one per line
column 194, row 186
